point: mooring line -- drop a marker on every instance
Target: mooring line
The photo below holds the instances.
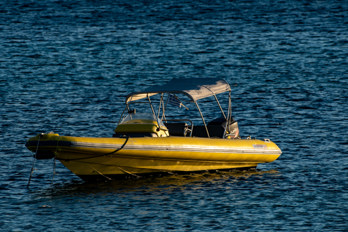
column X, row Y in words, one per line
column 106, row 154
column 34, row 161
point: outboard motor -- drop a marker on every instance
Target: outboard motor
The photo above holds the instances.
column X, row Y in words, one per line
column 232, row 130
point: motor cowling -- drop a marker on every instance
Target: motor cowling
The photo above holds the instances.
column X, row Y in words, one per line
column 230, row 126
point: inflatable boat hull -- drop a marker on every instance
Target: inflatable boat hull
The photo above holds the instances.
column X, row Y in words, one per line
column 87, row 157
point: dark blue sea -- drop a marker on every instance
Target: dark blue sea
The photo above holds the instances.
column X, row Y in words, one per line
column 66, row 66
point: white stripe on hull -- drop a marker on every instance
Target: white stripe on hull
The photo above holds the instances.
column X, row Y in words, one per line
column 185, row 148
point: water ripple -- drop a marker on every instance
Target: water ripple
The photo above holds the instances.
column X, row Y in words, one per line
column 66, row 67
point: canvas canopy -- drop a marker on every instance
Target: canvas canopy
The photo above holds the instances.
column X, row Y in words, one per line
column 195, row 88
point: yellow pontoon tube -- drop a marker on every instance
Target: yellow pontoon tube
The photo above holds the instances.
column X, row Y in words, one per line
column 88, row 157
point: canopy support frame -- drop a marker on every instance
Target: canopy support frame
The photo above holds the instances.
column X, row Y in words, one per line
column 205, row 125
column 229, row 114
column 217, row 100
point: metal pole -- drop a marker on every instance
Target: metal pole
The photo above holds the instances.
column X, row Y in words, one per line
column 127, row 107
column 222, row 111
column 153, row 110
column 229, row 113
column 160, row 105
column 164, row 108
column 205, row 125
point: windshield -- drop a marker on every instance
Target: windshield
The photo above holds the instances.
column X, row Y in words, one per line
column 141, row 116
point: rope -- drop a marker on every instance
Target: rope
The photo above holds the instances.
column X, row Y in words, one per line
column 106, row 177
column 54, row 160
column 106, row 154
column 34, row 161
column 54, row 169
column 120, row 148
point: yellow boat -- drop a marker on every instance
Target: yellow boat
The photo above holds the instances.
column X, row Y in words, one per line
column 154, row 141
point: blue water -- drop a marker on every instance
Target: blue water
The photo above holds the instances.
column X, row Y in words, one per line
column 65, row 66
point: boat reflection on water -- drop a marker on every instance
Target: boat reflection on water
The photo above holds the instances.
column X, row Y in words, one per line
column 162, row 181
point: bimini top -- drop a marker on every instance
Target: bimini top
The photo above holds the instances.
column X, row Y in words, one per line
column 194, row 88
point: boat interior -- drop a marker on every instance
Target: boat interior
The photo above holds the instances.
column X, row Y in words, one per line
column 216, row 128
column 185, row 128
column 168, row 120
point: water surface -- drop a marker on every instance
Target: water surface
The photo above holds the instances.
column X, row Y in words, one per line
column 65, row 66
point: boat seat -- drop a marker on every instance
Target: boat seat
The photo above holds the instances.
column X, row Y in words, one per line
column 214, row 131
column 177, row 128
